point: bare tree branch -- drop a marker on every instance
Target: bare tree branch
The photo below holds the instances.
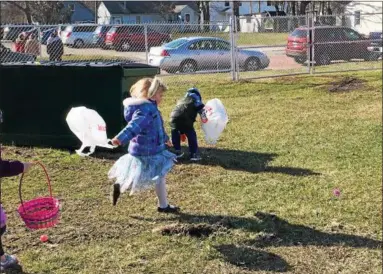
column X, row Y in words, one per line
column 16, row 5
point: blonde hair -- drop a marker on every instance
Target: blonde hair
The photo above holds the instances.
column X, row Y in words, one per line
column 146, row 88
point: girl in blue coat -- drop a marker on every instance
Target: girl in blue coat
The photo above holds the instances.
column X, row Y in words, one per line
column 148, row 160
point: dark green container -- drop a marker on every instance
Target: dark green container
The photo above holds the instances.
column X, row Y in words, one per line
column 35, row 99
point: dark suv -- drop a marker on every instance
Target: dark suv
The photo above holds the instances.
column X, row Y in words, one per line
column 331, row 43
column 124, row 38
column 376, row 42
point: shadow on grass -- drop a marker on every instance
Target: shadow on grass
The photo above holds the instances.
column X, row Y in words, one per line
column 231, row 159
column 274, row 231
column 16, row 270
column 252, row 259
column 253, row 162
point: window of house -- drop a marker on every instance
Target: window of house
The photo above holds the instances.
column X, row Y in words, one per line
column 117, row 20
column 187, row 18
column 269, row 3
column 357, row 18
column 71, row 7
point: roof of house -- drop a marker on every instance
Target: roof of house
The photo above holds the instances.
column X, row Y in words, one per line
column 139, row 7
column 179, row 8
column 79, row 3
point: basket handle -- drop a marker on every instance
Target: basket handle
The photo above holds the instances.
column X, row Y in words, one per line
column 48, row 182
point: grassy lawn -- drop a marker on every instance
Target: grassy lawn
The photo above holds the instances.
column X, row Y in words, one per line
column 245, row 39
column 261, row 201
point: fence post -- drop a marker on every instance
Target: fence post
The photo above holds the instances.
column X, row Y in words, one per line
column 39, row 39
column 313, row 16
column 236, row 52
column 146, row 43
column 231, row 27
column 310, row 39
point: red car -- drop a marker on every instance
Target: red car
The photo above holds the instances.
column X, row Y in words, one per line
column 331, row 43
column 124, row 38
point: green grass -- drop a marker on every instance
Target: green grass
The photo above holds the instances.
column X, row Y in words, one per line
column 245, row 39
column 266, row 190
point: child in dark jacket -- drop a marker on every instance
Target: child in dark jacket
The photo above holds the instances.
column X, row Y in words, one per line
column 182, row 121
column 8, row 169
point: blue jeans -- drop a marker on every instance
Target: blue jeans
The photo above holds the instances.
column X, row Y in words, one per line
column 192, row 139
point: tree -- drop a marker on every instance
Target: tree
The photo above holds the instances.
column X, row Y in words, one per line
column 44, row 12
column 24, row 7
column 204, row 8
column 10, row 15
column 236, row 5
column 204, row 11
column 164, row 8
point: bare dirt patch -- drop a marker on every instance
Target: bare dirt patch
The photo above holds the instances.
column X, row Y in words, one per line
column 346, row 84
column 192, row 230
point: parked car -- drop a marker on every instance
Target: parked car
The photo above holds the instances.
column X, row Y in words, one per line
column 44, row 35
column 12, row 32
column 8, row 56
column 35, row 31
column 99, row 36
column 124, row 38
column 376, row 43
column 331, row 43
column 190, row 54
column 78, row 36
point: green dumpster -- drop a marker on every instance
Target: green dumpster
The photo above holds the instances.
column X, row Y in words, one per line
column 36, row 98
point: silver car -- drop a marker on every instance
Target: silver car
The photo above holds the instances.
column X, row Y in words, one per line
column 190, row 54
column 78, row 36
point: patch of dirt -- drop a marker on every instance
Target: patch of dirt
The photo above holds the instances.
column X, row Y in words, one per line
column 192, row 230
column 346, row 84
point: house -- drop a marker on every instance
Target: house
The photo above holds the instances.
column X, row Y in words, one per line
column 364, row 17
column 80, row 12
column 136, row 12
column 268, row 21
column 221, row 11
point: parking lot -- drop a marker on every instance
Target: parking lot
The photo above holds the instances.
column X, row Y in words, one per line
column 278, row 59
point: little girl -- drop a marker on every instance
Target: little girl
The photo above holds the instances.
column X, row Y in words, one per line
column 148, row 161
column 8, row 169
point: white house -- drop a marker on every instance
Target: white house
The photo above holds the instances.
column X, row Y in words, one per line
column 364, row 17
column 136, row 12
column 221, row 11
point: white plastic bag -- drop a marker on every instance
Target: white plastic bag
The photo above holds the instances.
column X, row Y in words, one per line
column 217, row 120
column 89, row 127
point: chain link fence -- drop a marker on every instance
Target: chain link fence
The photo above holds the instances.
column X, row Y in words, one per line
column 264, row 46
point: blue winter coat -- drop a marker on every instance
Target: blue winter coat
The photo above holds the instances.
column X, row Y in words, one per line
column 145, row 131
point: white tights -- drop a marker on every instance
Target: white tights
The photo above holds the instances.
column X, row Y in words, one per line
column 162, row 193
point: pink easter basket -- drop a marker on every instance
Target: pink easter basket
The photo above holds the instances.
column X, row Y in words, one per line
column 41, row 212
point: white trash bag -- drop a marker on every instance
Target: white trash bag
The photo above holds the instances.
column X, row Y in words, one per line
column 217, row 121
column 89, row 127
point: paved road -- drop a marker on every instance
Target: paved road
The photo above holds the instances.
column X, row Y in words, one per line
column 278, row 59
